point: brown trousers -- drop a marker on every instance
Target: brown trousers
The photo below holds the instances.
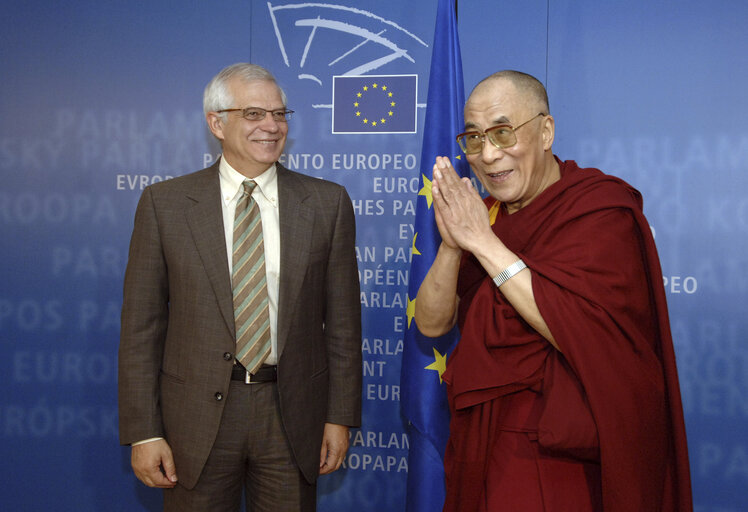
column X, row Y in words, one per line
column 251, row 454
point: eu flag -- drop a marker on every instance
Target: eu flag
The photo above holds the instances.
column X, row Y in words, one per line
column 374, row 104
column 423, row 396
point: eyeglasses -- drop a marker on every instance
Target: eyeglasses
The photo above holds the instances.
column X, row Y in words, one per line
column 258, row 114
column 502, row 136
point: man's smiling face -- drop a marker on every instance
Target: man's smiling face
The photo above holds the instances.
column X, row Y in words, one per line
column 251, row 147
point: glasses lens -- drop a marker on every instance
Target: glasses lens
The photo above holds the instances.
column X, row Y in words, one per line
column 471, row 142
column 501, row 136
column 280, row 116
column 253, row 114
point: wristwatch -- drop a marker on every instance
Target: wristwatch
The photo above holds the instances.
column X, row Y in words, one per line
column 509, row 272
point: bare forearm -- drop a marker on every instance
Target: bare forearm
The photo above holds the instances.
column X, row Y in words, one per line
column 436, row 302
column 518, row 290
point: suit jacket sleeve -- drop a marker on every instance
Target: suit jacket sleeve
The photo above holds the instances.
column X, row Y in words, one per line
column 143, row 331
column 343, row 320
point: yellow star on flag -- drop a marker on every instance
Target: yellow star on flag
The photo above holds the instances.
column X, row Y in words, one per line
column 439, row 364
column 413, row 250
column 426, row 190
column 410, row 310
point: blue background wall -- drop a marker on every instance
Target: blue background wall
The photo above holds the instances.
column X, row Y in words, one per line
column 99, row 98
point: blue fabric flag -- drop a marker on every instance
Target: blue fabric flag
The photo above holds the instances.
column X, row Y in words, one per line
column 374, row 104
column 423, row 396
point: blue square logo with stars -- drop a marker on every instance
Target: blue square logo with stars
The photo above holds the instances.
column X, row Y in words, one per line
column 374, row 104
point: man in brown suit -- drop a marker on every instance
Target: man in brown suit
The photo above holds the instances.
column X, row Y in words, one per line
column 202, row 427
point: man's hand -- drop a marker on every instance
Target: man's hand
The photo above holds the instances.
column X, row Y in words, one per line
column 461, row 215
column 443, row 230
column 153, row 464
column 334, row 448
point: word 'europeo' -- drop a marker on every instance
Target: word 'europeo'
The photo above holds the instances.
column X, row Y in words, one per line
column 350, row 161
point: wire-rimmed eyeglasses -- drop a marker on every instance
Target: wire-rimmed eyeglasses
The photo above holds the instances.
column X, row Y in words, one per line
column 502, row 136
column 258, row 114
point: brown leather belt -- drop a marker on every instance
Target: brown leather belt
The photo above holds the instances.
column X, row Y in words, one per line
column 266, row 373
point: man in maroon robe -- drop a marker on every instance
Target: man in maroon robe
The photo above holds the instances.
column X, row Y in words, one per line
column 563, row 388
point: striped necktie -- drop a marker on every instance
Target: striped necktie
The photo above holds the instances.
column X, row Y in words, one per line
column 251, row 313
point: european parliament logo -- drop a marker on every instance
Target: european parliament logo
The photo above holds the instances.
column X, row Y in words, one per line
column 374, row 104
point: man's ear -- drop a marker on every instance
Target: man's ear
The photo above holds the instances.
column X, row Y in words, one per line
column 215, row 124
column 549, row 132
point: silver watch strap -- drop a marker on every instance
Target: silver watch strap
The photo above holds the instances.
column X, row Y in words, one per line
column 509, row 272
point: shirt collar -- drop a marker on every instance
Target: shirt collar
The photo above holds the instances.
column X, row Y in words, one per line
column 231, row 182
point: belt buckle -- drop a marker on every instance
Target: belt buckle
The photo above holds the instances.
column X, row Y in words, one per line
column 248, row 378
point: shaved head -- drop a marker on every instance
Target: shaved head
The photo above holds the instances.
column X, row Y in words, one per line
column 525, row 84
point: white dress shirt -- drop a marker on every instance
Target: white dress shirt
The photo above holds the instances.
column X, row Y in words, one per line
column 266, row 196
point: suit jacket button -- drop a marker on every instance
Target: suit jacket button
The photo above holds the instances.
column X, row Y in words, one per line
column 218, row 396
column 227, row 356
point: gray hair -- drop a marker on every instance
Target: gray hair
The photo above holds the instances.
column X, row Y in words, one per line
column 217, row 96
column 524, row 83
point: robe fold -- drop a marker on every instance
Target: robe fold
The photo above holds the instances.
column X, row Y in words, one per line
column 598, row 425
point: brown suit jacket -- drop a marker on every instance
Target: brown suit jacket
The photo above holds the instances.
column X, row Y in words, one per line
column 177, row 337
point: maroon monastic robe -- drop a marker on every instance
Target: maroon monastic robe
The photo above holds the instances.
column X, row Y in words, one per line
column 598, row 426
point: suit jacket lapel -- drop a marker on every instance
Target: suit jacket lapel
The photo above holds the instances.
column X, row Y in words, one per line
column 205, row 220
column 296, row 223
